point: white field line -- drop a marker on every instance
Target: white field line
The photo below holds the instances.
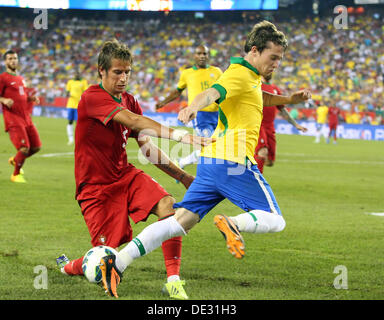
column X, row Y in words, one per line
column 379, row 214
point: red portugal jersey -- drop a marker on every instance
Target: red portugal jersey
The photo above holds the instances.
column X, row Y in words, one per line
column 13, row 86
column 100, row 156
column 269, row 113
column 333, row 115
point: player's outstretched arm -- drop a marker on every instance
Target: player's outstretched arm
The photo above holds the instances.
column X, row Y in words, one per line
column 202, row 100
column 292, row 121
column 156, row 156
column 147, row 126
column 295, row 98
column 172, row 96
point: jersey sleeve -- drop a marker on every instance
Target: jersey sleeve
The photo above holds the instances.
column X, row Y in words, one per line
column 182, row 84
column 101, row 107
column 230, row 84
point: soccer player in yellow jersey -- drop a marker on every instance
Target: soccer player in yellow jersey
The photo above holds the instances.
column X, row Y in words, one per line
column 321, row 120
column 196, row 79
column 75, row 88
column 228, row 168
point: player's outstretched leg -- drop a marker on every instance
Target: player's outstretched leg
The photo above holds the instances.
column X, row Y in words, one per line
column 235, row 242
column 111, row 276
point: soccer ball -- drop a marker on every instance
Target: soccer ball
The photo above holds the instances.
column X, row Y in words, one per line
column 91, row 262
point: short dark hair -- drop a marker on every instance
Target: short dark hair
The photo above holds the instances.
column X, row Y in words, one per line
column 261, row 34
column 7, row 53
column 113, row 49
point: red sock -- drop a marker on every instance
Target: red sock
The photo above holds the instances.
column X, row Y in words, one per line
column 73, row 268
column 260, row 163
column 172, row 255
column 19, row 161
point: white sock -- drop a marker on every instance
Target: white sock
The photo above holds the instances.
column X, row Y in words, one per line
column 192, row 158
column 148, row 240
column 173, row 278
column 70, row 132
column 258, row 221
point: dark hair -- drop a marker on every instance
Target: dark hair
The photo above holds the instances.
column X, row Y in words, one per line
column 113, row 49
column 261, row 34
column 7, row 53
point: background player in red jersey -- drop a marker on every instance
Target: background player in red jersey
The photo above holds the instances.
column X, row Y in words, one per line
column 265, row 152
column 333, row 121
column 17, row 118
column 109, row 189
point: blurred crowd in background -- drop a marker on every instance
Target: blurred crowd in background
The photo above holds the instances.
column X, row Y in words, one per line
column 342, row 67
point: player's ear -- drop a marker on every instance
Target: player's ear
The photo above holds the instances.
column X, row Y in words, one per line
column 101, row 72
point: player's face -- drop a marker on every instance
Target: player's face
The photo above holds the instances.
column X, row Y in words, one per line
column 201, row 57
column 115, row 80
column 268, row 61
column 11, row 61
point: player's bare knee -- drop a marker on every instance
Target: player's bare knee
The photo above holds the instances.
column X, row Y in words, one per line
column 164, row 207
column 187, row 219
column 24, row 151
column 269, row 163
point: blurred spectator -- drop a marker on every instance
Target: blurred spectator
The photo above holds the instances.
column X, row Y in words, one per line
column 345, row 65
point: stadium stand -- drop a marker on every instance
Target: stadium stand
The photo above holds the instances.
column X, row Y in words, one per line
column 342, row 67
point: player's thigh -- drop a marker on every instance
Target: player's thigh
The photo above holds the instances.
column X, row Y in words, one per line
column 19, row 137
column 146, row 196
column 202, row 195
column 72, row 114
column 33, row 136
column 249, row 190
column 271, row 138
column 107, row 221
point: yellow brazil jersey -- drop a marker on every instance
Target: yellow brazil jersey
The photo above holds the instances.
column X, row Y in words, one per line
column 75, row 89
column 321, row 113
column 196, row 80
column 240, row 113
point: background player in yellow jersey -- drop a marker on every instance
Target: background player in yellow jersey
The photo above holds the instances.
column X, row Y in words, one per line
column 227, row 168
column 196, row 79
column 321, row 120
column 75, row 88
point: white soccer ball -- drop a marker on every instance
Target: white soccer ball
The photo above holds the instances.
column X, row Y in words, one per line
column 91, row 262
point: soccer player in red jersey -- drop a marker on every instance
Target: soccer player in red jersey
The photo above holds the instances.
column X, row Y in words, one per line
column 333, row 121
column 265, row 152
column 17, row 118
column 109, row 189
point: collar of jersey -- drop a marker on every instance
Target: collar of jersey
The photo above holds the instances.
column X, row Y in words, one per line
column 114, row 98
column 11, row 73
column 243, row 62
column 194, row 67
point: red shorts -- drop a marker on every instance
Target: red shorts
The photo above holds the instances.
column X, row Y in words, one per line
column 333, row 125
column 271, row 141
column 262, row 142
column 107, row 208
column 27, row 137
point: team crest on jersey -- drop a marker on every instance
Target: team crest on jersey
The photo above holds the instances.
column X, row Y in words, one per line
column 103, row 239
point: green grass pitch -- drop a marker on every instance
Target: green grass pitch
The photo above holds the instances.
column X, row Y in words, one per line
column 325, row 192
